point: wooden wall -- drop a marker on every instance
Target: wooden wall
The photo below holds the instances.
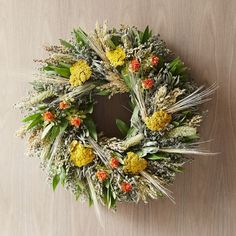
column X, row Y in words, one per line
column 203, row 33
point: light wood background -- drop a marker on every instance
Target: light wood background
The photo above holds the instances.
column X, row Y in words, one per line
column 203, row 33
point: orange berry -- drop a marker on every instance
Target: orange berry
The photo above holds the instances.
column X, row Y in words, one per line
column 63, row 105
column 135, row 65
column 75, row 121
column 154, row 60
column 114, row 163
column 126, row 187
column 101, row 175
column 48, row 116
column 147, row 83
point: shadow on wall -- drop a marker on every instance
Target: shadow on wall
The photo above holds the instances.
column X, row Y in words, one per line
column 106, row 111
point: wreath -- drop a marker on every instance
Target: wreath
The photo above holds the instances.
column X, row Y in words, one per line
column 163, row 126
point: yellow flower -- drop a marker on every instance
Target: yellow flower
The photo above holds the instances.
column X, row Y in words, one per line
column 80, row 72
column 80, row 155
column 116, row 57
column 134, row 164
column 158, row 120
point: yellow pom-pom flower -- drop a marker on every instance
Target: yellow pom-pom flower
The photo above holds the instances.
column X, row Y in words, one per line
column 134, row 164
column 80, row 155
column 158, row 120
column 116, row 57
column 80, row 72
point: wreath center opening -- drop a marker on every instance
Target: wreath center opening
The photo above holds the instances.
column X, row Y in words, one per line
column 107, row 111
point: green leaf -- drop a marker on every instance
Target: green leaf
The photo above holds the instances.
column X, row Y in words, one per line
column 178, row 169
column 108, row 198
column 31, row 117
column 64, row 65
column 191, row 137
column 113, row 193
column 104, row 194
column 156, row 156
column 113, row 202
column 78, row 192
column 177, row 68
column 66, row 44
column 89, row 123
column 107, row 183
column 122, row 126
column 55, row 182
column 90, row 199
column 54, row 133
column 103, row 92
column 35, row 122
column 109, row 42
column 175, row 123
column 135, row 120
column 79, row 189
column 137, row 36
column 89, row 108
column 132, row 132
column 63, row 71
column 116, row 40
column 46, row 130
column 63, row 126
column 80, row 36
column 146, row 35
column 126, row 78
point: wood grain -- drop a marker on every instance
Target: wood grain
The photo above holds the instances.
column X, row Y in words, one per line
column 203, row 33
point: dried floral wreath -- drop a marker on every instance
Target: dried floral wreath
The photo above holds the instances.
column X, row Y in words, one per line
column 163, row 125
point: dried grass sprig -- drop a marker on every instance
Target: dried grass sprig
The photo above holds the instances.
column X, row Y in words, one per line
column 199, row 96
